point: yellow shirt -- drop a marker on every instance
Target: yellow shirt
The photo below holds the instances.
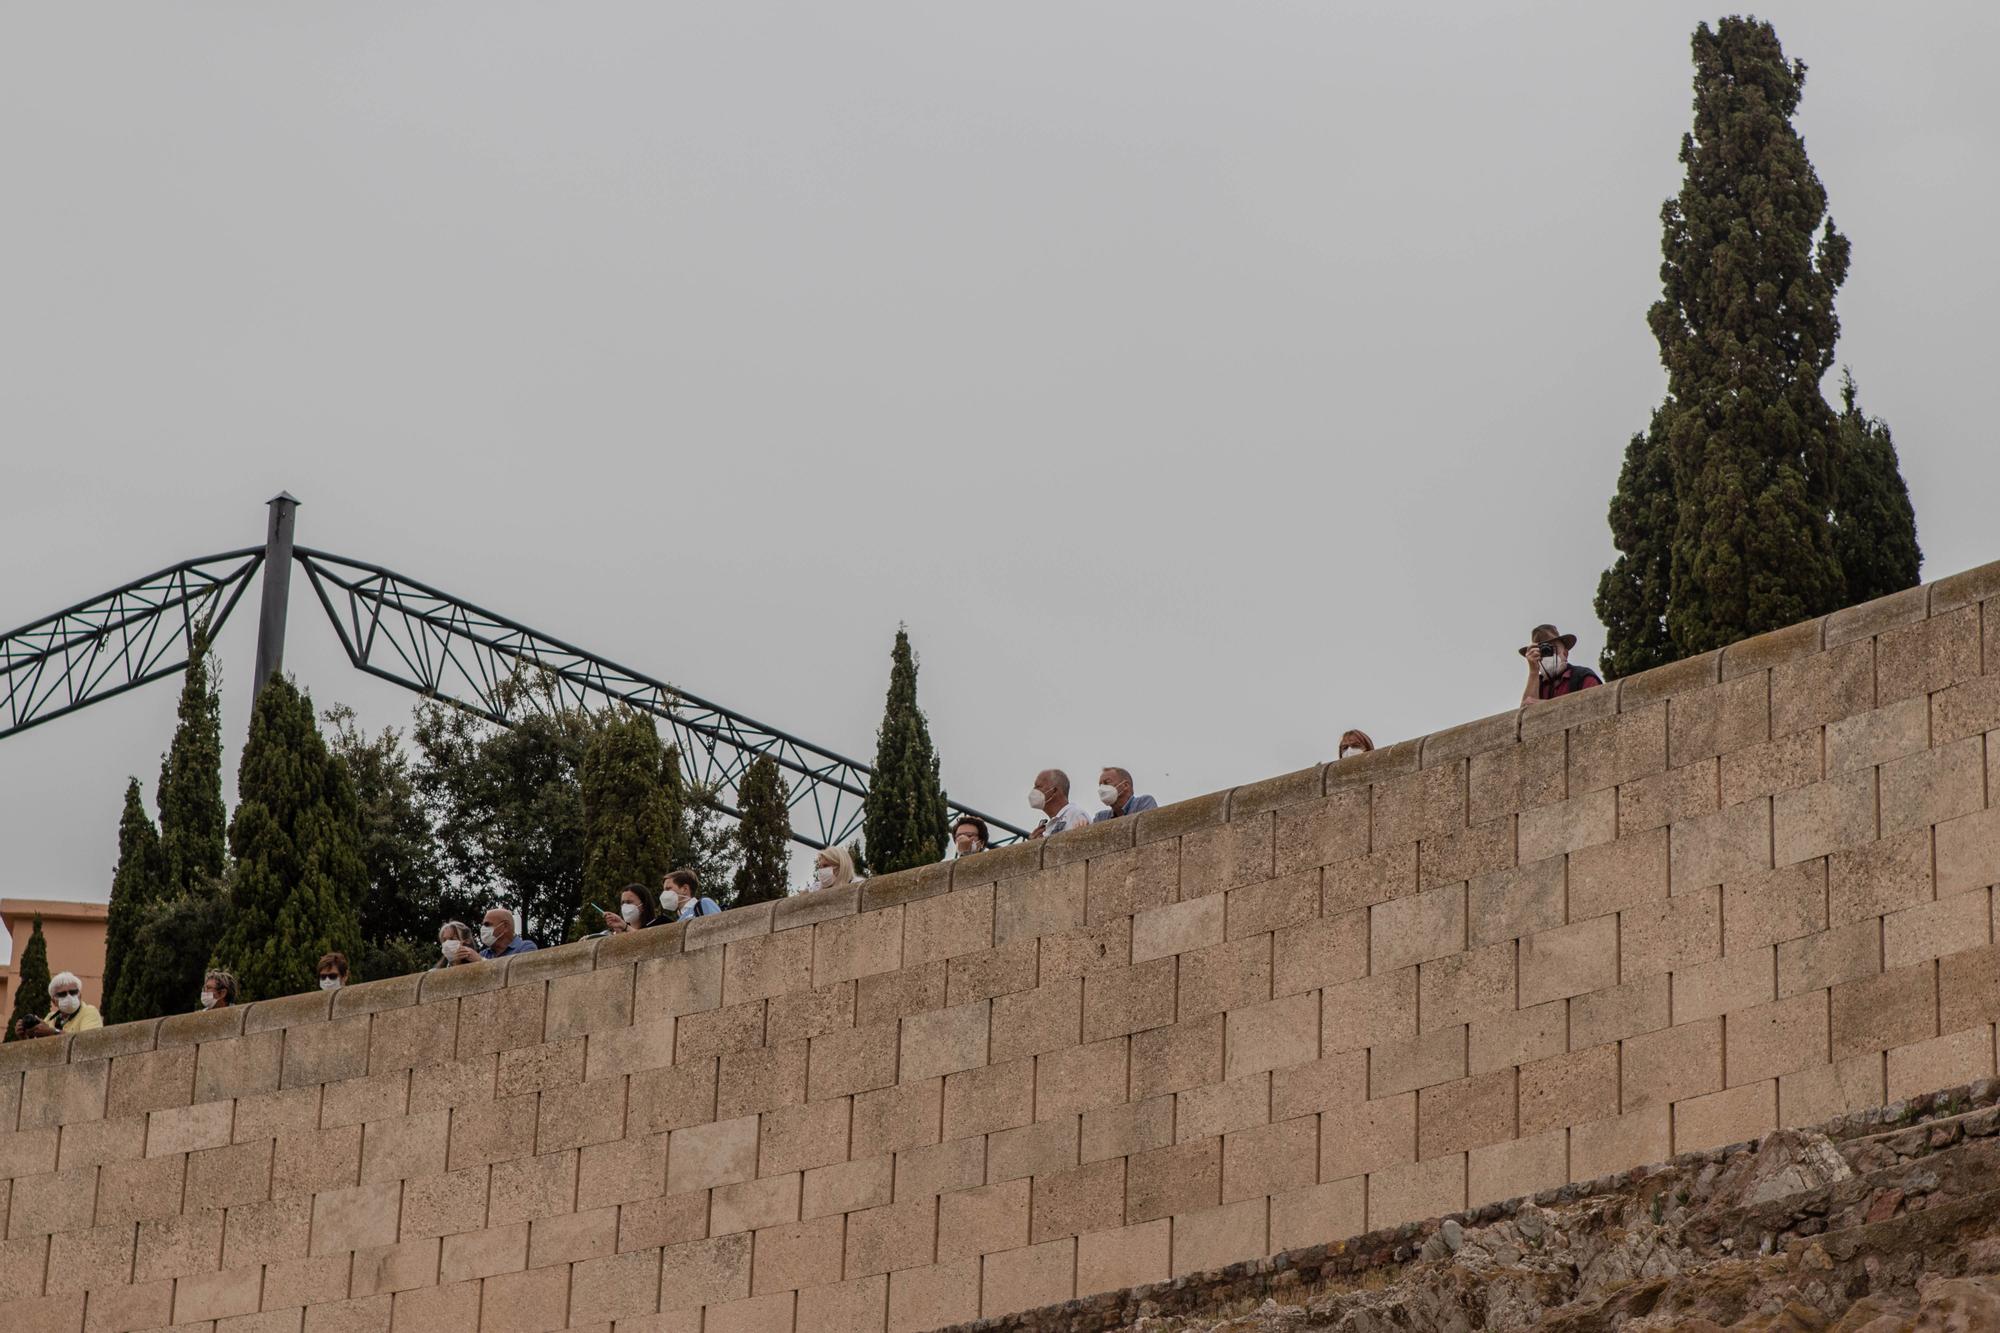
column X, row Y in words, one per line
column 83, row 1020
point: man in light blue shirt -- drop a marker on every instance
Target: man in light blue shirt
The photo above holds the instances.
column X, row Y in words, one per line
column 1114, row 788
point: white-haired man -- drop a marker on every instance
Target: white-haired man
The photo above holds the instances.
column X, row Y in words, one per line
column 67, row 1011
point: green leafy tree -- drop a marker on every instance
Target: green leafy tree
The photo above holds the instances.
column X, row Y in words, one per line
column 135, row 887
column 409, row 892
column 763, row 834
column 1874, row 524
column 633, row 823
column 31, row 982
column 1632, row 595
column 173, row 941
column 193, row 820
column 904, row 825
column 300, row 879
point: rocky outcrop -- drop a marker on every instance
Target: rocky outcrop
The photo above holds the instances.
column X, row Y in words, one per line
column 1887, row 1222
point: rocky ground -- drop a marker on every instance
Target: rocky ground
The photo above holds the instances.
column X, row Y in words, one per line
column 1881, row 1223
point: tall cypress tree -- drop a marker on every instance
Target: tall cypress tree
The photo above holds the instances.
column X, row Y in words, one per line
column 1632, row 595
column 193, row 821
column 905, row 821
column 300, row 878
column 1874, row 525
column 634, row 826
column 31, row 981
column 763, row 835
column 135, row 886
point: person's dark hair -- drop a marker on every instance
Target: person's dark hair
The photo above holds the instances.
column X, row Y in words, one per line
column 976, row 822
column 687, row 880
column 225, row 984
column 649, row 901
column 336, row 961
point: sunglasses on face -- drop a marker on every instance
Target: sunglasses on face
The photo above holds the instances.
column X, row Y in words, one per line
column 65, row 994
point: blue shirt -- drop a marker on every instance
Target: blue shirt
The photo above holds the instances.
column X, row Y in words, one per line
column 1132, row 807
column 515, row 945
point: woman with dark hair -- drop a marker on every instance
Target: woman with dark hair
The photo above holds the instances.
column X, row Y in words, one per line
column 968, row 835
column 637, row 909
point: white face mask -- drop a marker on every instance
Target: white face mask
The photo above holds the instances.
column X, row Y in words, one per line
column 670, row 902
column 1108, row 795
column 329, row 983
column 486, row 937
column 208, row 999
column 630, row 911
column 69, row 1004
column 1035, row 799
column 823, row 876
column 450, row 948
column 1551, row 665
column 1348, row 752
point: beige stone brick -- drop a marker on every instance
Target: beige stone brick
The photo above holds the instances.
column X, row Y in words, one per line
column 1508, row 904
column 1773, row 1039
column 1708, row 849
column 684, row 983
column 1417, row 928
column 150, row 1081
column 1437, row 1056
column 944, row 1041
column 1718, row 719
column 1114, row 1260
column 1032, row 1150
column 857, row 946
column 671, row 1219
column 178, row 1246
column 1268, row 1159
column 846, row 1187
column 893, row 1237
column 1128, row 1000
column 531, row 1301
column 1929, row 654
column 1878, row 736
column 1256, row 909
column 1605, row 752
column 1419, row 805
column 143, row 1191
column 705, row 1272
column 355, row 1218
column 1379, row 877
column 1080, row 1200
column 1216, row 859
column 1126, row 883
column 528, row 1069
column 1874, row 617
column 981, row 976
column 1212, row 1238
column 1027, row 1023
column 1460, row 987
column 499, row 1020
column 356, row 1101
column 860, row 1306
column 434, row 1307
column 1737, row 981
column 647, row 1044
column 1465, row 1113
column 1178, row 927
column 948, row 925
column 753, row 1204
column 1322, row 952
column 1319, row 833
column 664, row 1099
column 1618, row 1143
column 1272, row 1035
column 96, row 1142
column 322, row 1053
column 1358, row 1139
column 453, row 1083
column 1569, row 960
column 1217, row 1108
column 217, row 1295
column 447, row 1203
column 1081, row 1078
column 188, row 1128
column 1223, row 976
column 797, row 1254
column 1618, row 1012
column 614, row 1286
column 1516, row 1167
column 407, row 1146
column 1371, row 1010
column 761, row 966
column 1027, row 1278
column 485, row 1253
column 1941, row 1062
column 1968, row 852
column 32, row 1152
column 596, row 1001
column 761, row 1080
column 495, row 1132
column 1732, row 1116
column 64, row 1094
column 90, row 1258
column 810, row 1013
column 1892, row 1009
column 1667, row 1066
column 935, row 1297
column 1969, row 988
column 891, row 1119
column 1772, row 906
column 1824, row 1091
column 1516, row 1036
column 1966, row 709
column 1173, row 1180
column 1569, row 826
column 740, row 1027
column 847, row 1061
column 1934, row 786
column 1517, row 777
column 241, row 1173
column 703, row 1156
column 1129, row 1127
column 1412, row 1191
column 1677, row 795
column 149, row 1305
column 935, row 1168
column 1047, row 902
column 980, row 1221
column 1822, row 687
column 532, row 1187
column 1569, row 1089
column 417, row 1034
column 386, row 1269
column 1763, row 770
column 1000, row 1096
column 1454, row 857
column 1317, row 1215
column 1830, row 957
column 1933, row 930
column 1826, row 817
column 1078, row 953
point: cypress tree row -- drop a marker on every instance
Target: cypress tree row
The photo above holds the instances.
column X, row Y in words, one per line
column 135, row 887
column 31, row 982
column 299, row 878
column 1874, row 525
column 763, row 835
column 634, row 825
column 193, row 821
column 1725, row 506
column 905, row 822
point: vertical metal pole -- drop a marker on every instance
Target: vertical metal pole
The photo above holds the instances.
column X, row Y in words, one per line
column 277, row 589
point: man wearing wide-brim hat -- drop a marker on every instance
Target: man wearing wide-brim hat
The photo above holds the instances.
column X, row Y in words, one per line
column 1550, row 675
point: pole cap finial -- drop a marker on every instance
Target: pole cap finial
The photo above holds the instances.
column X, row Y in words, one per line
column 283, row 497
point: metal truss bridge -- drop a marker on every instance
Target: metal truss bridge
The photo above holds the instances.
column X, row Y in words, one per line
column 426, row 640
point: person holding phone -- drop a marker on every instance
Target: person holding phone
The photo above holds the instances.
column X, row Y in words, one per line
column 637, row 909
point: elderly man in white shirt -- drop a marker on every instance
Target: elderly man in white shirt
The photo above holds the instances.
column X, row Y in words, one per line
column 1050, row 795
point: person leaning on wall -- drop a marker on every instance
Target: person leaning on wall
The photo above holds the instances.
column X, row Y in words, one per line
column 67, row 1011
column 456, row 946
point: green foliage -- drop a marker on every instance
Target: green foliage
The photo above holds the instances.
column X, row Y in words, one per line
column 193, row 820
column 633, row 823
column 1726, row 510
column 1874, row 525
column 375, row 959
column 31, row 981
column 763, row 835
column 409, row 893
column 135, row 886
column 300, row 879
column 172, row 942
column 906, row 817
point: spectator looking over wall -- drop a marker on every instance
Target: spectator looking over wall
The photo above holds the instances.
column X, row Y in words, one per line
column 456, row 945
column 968, row 835
column 833, row 868
column 1550, row 675
column 637, row 909
column 1114, row 788
column 332, row 969
column 1050, row 795
column 496, row 935
column 1353, row 743
column 67, row 1011
column 680, row 897
column 218, row 989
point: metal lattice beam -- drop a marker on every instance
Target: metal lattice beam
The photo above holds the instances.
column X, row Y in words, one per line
column 119, row 641
column 446, row 648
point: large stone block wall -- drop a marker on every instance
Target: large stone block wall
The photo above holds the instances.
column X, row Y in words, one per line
column 1750, row 889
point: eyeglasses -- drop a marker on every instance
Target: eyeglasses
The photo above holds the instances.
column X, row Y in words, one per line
column 65, row 994
column 329, row 976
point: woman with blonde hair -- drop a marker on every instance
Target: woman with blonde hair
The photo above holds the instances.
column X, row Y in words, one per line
column 833, row 868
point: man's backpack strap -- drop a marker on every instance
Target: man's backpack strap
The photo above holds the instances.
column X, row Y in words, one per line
column 1579, row 674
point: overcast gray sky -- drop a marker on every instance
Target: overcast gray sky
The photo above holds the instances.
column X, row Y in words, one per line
column 1196, row 380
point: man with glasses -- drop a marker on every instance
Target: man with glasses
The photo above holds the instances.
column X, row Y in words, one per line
column 68, row 1012
column 1550, row 674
